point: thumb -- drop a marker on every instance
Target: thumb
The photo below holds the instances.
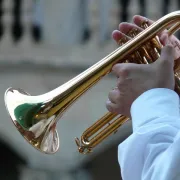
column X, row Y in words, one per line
column 167, row 52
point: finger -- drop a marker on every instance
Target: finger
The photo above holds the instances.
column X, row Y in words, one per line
column 120, row 37
column 127, row 27
column 129, row 71
column 117, row 35
column 138, row 20
column 168, row 54
column 164, row 38
column 111, row 107
column 126, row 71
column 114, row 95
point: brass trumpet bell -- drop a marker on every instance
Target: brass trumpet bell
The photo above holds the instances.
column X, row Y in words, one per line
column 36, row 117
column 28, row 113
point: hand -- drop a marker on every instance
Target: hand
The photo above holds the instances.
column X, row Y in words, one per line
column 135, row 79
column 125, row 27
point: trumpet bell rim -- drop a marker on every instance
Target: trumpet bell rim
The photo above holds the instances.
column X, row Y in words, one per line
column 15, row 97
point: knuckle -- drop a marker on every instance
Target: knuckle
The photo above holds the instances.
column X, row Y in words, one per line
column 115, row 67
column 121, row 70
column 123, row 84
column 113, row 96
column 112, row 107
column 120, row 82
column 124, row 71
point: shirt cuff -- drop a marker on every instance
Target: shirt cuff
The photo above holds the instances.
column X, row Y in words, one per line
column 154, row 103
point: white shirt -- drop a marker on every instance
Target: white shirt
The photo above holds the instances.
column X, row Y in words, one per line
column 152, row 152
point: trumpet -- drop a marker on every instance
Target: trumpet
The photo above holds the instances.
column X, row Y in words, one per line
column 36, row 117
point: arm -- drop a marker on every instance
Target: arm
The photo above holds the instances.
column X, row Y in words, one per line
column 152, row 152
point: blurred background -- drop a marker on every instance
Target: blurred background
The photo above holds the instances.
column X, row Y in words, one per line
column 43, row 44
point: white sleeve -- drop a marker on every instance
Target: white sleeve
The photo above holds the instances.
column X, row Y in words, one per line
column 152, row 152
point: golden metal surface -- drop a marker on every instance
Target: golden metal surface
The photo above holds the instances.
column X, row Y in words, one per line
column 36, row 116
